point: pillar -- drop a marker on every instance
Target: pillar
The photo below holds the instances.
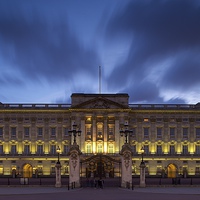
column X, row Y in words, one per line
column 142, row 174
column 58, row 175
column 126, row 166
column 74, row 166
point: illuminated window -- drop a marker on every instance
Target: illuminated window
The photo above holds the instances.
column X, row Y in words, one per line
column 100, row 131
column 110, row 148
column 88, row 133
column 88, row 148
column 26, row 131
column 99, row 148
column 111, row 133
column 146, row 119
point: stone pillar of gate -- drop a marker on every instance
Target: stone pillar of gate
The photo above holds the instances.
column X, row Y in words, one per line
column 74, row 166
column 142, row 174
column 126, row 166
column 58, row 175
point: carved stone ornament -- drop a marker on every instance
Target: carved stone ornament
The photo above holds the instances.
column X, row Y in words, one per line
column 74, row 159
column 100, row 104
column 127, row 159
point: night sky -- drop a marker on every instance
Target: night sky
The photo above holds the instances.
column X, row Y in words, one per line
column 149, row 49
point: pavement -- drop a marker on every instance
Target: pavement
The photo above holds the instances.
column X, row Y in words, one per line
column 52, row 193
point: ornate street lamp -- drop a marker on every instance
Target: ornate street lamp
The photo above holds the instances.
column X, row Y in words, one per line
column 125, row 132
column 58, row 151
column 142, row 152
column 75, row 131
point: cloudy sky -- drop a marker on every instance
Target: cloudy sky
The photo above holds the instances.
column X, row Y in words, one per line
column 149, row 49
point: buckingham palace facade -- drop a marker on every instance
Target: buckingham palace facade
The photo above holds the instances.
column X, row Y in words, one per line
column 31, row 133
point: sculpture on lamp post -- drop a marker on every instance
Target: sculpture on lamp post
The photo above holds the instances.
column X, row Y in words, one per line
column 74, row 132
column 58, row 169
column 142, row 169
column 125, row 132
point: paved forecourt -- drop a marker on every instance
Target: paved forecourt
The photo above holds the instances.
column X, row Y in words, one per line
column 52, row 193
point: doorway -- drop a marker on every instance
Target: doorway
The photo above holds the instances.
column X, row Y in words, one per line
column 27, row 171
column 171, row 171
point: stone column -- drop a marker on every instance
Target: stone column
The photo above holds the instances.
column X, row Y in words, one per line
column 142, row 174
column 126, row 166
column 74, row 166
column 58, row 175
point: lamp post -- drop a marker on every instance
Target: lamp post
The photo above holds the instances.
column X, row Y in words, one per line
column 75, row 131
column 142, row 170
column 142, row 152
column 58, row 169
column 58, row 151
column 125, row 132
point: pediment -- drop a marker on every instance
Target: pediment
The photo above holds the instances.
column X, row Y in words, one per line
column 100, row 103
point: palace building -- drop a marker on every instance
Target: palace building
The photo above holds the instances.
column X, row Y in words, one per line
column 31, row 133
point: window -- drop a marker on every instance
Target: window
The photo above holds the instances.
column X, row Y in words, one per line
column 110, row 148
column 159, row 149
column 26, row 131
column 99, row 148
column 185, row 133
column 133, row 147
column 39, row 149
column 185, row 149
column 40, row 131
column 53, row 132
column 66, row 148
column 1, row 131
column 88, row 148
column 198, row 133
column 66, row 133
column 27, row 149
column 133, row 135
column 111, row 133
column 197, row 149
column 172, row 133
column 172, row 149
column 13, row 149
column 159, row 133
column 13, row 132
column 53, row 149
column 146, row 149
column 88, row 133
column 99, row 132
column 146, row 133
column 1, row 149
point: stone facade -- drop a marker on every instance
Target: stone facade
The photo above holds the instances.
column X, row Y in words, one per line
column 30, row 134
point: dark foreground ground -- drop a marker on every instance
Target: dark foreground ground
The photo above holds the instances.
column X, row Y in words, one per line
column 52, row 193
